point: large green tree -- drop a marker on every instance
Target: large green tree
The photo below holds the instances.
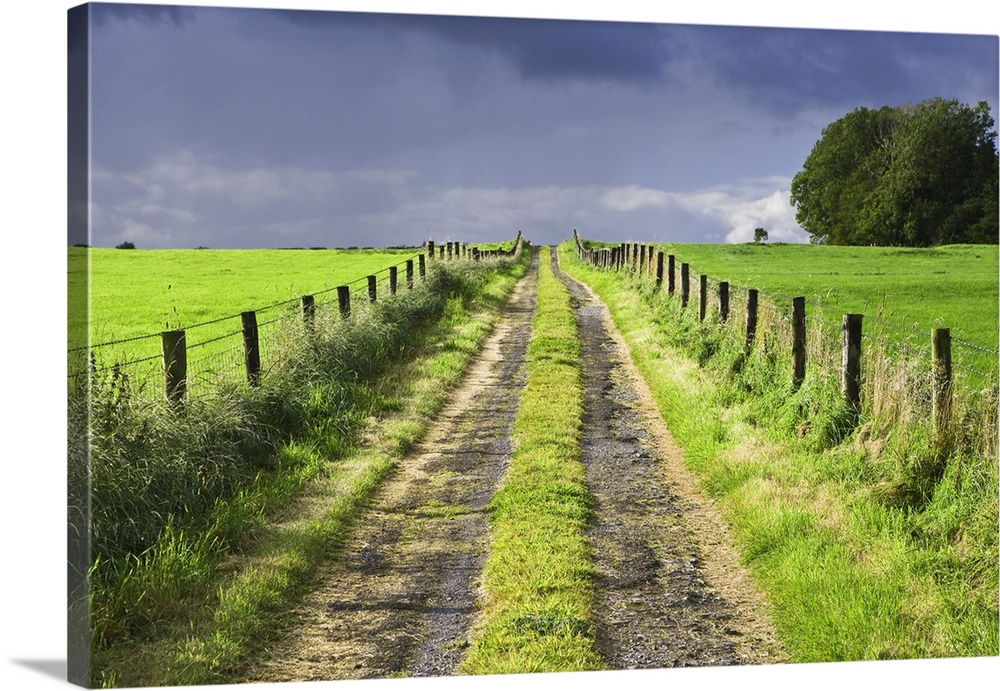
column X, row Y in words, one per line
column 907, row 175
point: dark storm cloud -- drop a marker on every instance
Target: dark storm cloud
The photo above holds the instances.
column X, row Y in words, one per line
column 539, row 49
column 251, row 127
column 781, row 71
column 150, row 15
column 566, row 49
column 787, row 71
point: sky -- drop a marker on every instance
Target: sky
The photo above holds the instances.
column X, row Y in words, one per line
column 233, row 128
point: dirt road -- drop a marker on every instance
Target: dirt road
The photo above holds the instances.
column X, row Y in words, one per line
column 401, row 599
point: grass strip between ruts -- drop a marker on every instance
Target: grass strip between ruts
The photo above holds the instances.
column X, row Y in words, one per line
column 538, row 577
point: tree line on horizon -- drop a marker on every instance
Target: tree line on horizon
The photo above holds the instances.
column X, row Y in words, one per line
column 913, row 175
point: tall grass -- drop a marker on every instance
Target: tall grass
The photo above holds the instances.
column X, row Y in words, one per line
column 176, row 493
column 872, row 536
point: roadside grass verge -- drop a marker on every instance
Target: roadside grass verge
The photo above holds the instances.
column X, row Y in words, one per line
column 870, row 539
column 538, row 581
column 201, row 549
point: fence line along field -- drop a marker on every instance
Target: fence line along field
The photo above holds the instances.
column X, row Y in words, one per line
column 137, row 294
column 954, row 286
column 140, row 292
column 903, row 293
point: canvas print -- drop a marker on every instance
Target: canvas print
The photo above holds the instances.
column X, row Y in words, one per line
column 411, row 345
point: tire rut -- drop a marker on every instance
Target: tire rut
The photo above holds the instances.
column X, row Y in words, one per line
column 672, row 593
column 400, row 599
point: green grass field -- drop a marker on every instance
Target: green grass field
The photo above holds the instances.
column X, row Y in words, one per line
column 138, row 292
column 911, row 291
column 954, row 286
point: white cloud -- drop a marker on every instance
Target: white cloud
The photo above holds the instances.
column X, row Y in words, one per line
column 145, row 235
column 183, row 200
column 183, row 176
column 186, row 201
column 613, row 212
column 632, row 197
column 745, row 206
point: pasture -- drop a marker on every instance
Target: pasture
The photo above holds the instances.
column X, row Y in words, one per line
column 137, row 294
column 955, row 286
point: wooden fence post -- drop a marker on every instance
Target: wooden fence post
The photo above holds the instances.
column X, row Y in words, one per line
column 798, row 342
column 642, row 259
column 393, row 279
column 423, row 266
column 308, row 310
column 941, row 369
column 671, row 280
column 850, row 381
column 409, row 274
column 723, row 302
column 251, row 347
column 751, row 323
column 685, row 283
column 702, row 296
column 344, row 301
column 430, row 249
column 659, row 269
column 174, row 365
column 372, row 289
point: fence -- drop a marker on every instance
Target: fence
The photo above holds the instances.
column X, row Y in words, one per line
column 238, row 345
column 719, row 297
